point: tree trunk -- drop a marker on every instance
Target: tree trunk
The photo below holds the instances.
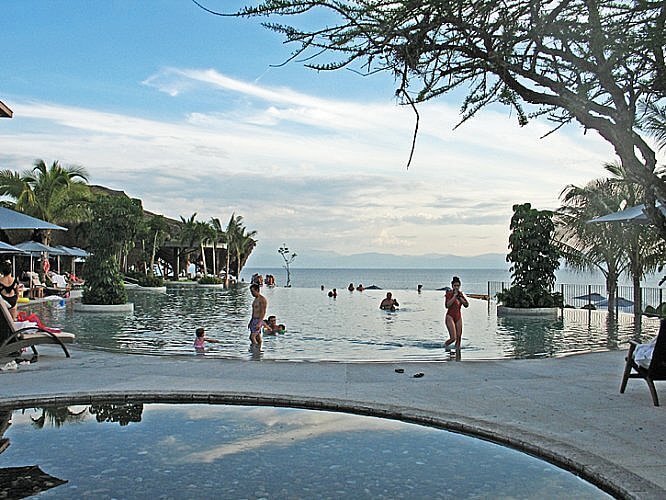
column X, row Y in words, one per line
column 638, row 296
column 214, row 259
column 226, row 270
column 203, row 259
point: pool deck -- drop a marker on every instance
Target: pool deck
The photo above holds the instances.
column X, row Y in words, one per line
column 568, row 410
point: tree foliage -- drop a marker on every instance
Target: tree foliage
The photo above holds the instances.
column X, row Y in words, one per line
column 596, row 62
column 53, row 193
column 607, row 247
column 533, row 257
column 115, row 221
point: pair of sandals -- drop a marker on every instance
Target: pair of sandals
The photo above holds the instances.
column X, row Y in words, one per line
column 416, row 375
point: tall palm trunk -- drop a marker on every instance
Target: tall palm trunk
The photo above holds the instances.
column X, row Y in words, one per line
column 226, row 270
column 203, row 259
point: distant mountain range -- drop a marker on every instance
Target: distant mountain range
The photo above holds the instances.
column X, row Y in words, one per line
column 373, row 260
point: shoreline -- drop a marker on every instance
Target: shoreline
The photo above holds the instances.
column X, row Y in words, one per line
column 565, row 410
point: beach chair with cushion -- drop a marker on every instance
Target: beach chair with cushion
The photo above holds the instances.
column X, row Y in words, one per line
column 13, row 339
column 647, row 361
column 59, row 285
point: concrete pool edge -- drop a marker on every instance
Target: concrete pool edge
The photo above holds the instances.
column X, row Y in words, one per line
column 608, row 476
column 567, row 410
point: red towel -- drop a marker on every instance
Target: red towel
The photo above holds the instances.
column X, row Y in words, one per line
column 22, row 316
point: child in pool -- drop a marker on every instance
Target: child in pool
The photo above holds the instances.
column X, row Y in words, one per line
column 201, row 339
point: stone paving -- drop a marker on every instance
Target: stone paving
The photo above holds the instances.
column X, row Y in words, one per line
column 566, row 410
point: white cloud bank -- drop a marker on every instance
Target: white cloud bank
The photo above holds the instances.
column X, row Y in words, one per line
column 317, row 173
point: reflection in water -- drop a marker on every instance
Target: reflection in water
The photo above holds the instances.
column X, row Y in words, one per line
column 24, row 481
column 531, row 336
column 204, row 451
column 120, row 413
column 351, row 328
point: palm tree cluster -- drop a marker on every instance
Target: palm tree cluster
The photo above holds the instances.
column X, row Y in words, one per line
column 611, row 248
column 236, row 239
column 57, row 194
column 61, row 195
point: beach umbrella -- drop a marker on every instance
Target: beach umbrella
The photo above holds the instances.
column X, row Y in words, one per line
column 592, row 297
column 73, row 252
column 7, row 248
column 634, row 215
column 620, row 302
column 11, row 219
column 35, row 248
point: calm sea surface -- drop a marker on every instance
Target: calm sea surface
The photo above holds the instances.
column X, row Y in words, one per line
column 473, row 280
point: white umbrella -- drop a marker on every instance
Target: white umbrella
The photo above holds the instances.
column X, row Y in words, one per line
column 35, row 248
column 635, row 215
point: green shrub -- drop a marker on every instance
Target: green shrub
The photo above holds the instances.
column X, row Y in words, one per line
column 150, row 280
column 104, row 282
column 211, row 280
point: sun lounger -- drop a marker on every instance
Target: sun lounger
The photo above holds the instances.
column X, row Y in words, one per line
column 14, row 339
column 647, row 361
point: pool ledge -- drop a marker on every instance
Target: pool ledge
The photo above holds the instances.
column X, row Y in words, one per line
column 565, row 410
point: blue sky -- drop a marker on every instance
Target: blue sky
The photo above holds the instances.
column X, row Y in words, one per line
column 185, row 111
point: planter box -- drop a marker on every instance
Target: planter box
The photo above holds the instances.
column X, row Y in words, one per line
column 149, row 289
column 104, row 308
column 527, row 311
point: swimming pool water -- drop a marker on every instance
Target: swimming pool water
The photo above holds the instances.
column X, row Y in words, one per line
column 132, row 450
column 348, row 328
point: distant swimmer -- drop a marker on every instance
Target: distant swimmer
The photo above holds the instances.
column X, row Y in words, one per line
column 389, row 303
column 453, row 301
column 333, row 293
column 351, row 287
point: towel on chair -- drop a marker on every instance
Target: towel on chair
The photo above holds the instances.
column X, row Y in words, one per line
column 643, row 353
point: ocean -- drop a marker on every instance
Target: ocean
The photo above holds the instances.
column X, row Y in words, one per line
column 473, row 280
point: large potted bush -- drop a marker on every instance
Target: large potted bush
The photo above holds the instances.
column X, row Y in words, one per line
column 534, row 260
column 115, row 220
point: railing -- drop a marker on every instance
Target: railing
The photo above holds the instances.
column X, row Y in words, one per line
column 580, row 296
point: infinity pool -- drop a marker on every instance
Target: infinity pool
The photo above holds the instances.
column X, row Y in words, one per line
column 132, row 450
column 348, row 328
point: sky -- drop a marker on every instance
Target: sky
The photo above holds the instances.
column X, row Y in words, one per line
column 194, row 113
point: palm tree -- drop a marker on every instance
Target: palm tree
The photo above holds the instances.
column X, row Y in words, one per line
column 55, row 194
column 590, row 246
column 220, row 235
column 189, row 234
column 643, row 247
column 231, row 236
column 205, row 234
column 244, row 246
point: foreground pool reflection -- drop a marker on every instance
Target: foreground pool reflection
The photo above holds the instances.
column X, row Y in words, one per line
column 204, row 451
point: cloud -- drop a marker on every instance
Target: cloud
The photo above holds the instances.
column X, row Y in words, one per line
column 323, row 173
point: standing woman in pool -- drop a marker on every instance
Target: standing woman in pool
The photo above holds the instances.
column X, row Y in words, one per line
column 453, row 301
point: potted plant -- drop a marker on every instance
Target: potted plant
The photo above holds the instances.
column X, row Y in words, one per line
column 534, row 260
column 115, row 220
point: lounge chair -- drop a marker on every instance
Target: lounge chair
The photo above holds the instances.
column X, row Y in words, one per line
column 14, row 339
column 648, row 368
column 35, row 286
column 59, row 285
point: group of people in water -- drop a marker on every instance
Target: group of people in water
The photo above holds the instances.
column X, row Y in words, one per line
column 454, row 301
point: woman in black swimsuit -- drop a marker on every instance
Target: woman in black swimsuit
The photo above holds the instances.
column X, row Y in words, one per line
column 9, row 287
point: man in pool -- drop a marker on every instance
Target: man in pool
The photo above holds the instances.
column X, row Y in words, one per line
column 389, row 303
column 259, row 306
